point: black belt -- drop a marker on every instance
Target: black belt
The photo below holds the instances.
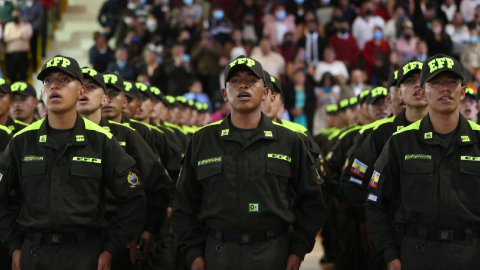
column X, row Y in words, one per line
column 65, row 238
column 441, row 235
column 248, row 237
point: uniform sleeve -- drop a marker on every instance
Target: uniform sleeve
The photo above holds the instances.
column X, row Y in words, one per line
column 122, row 180
column 187, row 204
column 10, row 193
column 157, row 182
column 309, row 207
column 383, row 199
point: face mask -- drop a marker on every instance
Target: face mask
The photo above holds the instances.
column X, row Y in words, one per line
column 299, row 1
column 326, row 1
column 401, row 18
column 437, row 30
column 143, row 2
column 429, row 25
column 377, row 34
column 281, row 14
column 288, row 42
column 218, row 14
column 128, row 20
column 188, row 2
column 408, row 36
column 473, row 39
column 343, row 30
column 151, row 25
column 249, row 21
column 16, row 19
column 121, row 64
column 368, row 12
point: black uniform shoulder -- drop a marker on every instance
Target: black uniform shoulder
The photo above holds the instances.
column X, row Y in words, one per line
column 407, row 131
column 284, row 131
column 30, row 130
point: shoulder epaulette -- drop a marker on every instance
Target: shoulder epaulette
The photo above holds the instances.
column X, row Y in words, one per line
column 374, row 124
column 21, row 123
column 389, row 120
column 34, row 126
column 348, row 131
column 120, row 124
column 4, row 128
column 212, row 124
column 414, row 126
column 89, row 125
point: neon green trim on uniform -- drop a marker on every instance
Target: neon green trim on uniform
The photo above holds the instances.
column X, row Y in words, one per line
column 278, row 156
column 470, row 158
column 374, row 124
column 474, row 125
column 414, row 126
column 20, row 123
column 121, row 124
column 2, row 127
column 348, row 131
column 295, row 127
column 326, row 131
column 89, row 125
column 148, row 125
column 389, row 120
column 211, row 124
column 292, row 128
column 34, row 126
column 122, row 143
column 107, row 128
column 175, row 126
column 87, row 159
column 338, row 132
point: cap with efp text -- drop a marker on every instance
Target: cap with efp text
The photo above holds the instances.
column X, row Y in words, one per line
column 243, row 63
column 144, row 89
column 5, row 86
column 96, row 76
column 113, row 80
column 376, row 93
column 24, row 89
column 440, row 63
column 62, row 63
column 409, row 68
column 131, row 90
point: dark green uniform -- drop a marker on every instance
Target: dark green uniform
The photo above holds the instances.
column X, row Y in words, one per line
column 241, row 191
column 430, row 189
column 52, row 198
column 15, row 125
column 5, row 136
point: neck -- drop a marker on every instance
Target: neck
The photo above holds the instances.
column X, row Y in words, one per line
column 246, row 120
column 29, row 120
column 63, row 120
column 157, row 120
column 117, row 118
column 444, row 123
column 95, row 116
column 413, row 114
column 274, row 119
column 4, row 119
column 146, row 120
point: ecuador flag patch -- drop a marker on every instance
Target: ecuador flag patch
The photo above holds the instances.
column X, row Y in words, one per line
column 358, row 168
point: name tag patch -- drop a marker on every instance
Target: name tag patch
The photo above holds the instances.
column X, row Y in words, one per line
column 210, row 160
column 279, row 156
column 417, row 156
column 87, row 159
column 253, row 207
column 372, row 197
column 32, row 158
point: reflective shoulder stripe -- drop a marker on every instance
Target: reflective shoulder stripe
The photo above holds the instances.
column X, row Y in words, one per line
column 390, row 120
column 175, row 126
column 21, row 123
column 291, row 127
column 374, row 124
column 4, row 128
column 89, row 125
column 348, row 131
column 414, row 126
column 120, row 124
column 212, row 124
column 474, row 125
column 34, row 126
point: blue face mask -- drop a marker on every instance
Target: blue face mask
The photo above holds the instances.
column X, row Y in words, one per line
column 143, row 2
column 218, row 14
column 377, row 34
column 121, row 64
column 299, row 1
column 281, row 14
column 326, row 1
column 188, row 2
column 473, row 39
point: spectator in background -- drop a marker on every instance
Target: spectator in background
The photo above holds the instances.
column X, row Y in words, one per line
column 346, row 44
column 221, row 113
column 325, row 96
column 100, row 55
column 238, row 47
column 458, row 33
column 35, row 13
column 329, row 64
column 288, row 48
column 421, row 51
column 205, row 57
column 394, row 25
column 365, row 24
column 407, row 43
column 425, row 12
column 448, row 8
column 109, row 16
column 313, row 43
column 219, row 25
column 374, row 54
column 470, row 56
column 391, row 63
column 246, row 7
column 271, row 61
column 195, row 92
column 356, row 86
column 249, row 31
column 179, row 71
column 323, row 12
column 348, row 11
column 128, row 31
column 17, row 45
column 192, row 13
column 299, row 11
column 152, row 69
column 380, row 10
column 298, row 62
column 278, row 25
column 336, row 23
column 300, row 101
column 438, row 41
column 476, row 81
column 6, row 9
column 467, row 9
column 121, row 66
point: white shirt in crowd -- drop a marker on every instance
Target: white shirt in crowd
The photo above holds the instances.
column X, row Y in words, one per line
column 449, row 11
column 335, row 68
column 273, row 62
column 459, row 36
column 467, row 9
column 362, row 28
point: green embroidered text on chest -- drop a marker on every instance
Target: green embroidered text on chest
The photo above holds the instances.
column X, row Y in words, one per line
column 282, row 157
column 210, row 160
column 31, row 158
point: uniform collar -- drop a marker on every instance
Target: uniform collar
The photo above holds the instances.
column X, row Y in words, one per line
column 78, row 136
column 464, row 136
column 104, row 123
column 264, row 130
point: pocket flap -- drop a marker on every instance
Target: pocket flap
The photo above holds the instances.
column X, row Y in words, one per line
column 418, row 166
column 86, row 170
column 279, row 167
column 472, row 168
column 33, row 168
column 207, row 170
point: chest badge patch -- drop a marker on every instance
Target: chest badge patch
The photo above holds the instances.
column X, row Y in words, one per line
column 268, row 134
column 428, row 135
column 43, row 138
column 374, row 180
column 253, row 207
column 80, row 138
column 133, row 180
column 465, row 139
column 225, row 132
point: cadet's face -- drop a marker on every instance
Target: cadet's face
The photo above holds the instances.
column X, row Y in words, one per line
column 245, row 92
column 163, row 112
column 23, row 107
column 61, row 92
column 410, row 91
column 115, row 103
column 145, row 108
column 200, row 119
column 173, row 114
column 93, row 99
column 265, row 105
column 378, row 110
column 186, row 114
column 444, row 93
column 131, row 108
column 156, row 110
column 352, row 115
column 5, row 103
column 275, row 106
column 193, row 117
column 397, row 105
column 468, row 107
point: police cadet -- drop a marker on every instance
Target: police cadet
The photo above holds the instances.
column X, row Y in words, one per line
column 174, row 116
column 24, row 102
column 468, row 106
column 430, row 188
column 237, row 180
column 52, row 193
column 6, row 103
column 156, row 180
column 321, row 138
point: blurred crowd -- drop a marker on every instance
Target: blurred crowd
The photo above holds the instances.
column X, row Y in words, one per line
column 322, row 50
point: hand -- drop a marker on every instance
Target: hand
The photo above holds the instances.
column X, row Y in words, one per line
column 17, row 254
column 395, row 265
column 104, row 261
column 146, row 240
column 132, row 246
column 293, row 262
column 199, row 264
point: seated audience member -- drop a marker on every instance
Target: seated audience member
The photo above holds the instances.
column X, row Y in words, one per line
column 331, row 65
column 345, row 43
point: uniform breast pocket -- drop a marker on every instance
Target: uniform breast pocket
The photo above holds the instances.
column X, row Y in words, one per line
column 277, row 191
column 210, row 178
column 35, row 182
column 468, row 183
column 84, row 182
column 417, row 181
